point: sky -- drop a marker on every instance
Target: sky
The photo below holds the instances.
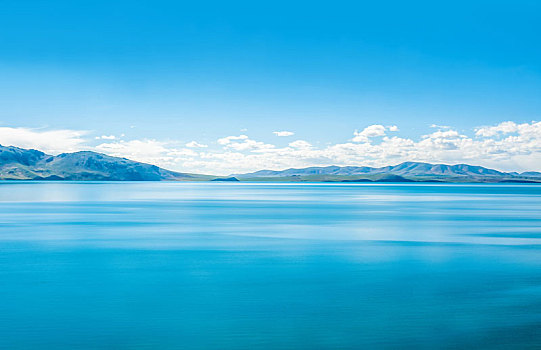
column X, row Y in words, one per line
column 224, row 87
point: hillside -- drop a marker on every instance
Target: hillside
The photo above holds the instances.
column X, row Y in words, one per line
column 23, row 164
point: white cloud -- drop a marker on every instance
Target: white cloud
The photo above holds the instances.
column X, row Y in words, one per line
column 283, row 133
column 368, row 132
column 300, row 144
column 243, row 143
column 195, row 144
column 48, row 141
column 105, row 137
column 248, row 144
column 147, row 151
column 519, row 151
column 393, row 128
column 509, row 127
column 228, row 139
column 436, row 126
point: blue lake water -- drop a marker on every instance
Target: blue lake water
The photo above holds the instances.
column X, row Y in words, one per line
column 274, row 266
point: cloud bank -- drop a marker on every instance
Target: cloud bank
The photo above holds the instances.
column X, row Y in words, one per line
column 507, row 146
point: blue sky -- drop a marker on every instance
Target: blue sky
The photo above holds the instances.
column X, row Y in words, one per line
column 171, row 73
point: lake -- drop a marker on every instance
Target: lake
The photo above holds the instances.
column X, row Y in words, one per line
column 165, row 265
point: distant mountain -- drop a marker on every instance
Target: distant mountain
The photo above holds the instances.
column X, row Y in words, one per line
column 233, row 179
column 28, row 164
column 414, row 171
column 23, row 164
column 531, row 174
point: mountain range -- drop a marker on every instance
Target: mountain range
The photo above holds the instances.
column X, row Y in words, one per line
column 28, row 164
column 415, row 171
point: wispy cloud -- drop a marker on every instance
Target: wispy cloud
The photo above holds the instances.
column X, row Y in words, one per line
column 283, row 133
column 437, row 126
column 105, row 137
column 243, row 143
column 149, row 151
column 195, row 144
column 226, row 140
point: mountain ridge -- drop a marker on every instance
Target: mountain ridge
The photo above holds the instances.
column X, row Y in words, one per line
column 402, row 169
column 30, row 164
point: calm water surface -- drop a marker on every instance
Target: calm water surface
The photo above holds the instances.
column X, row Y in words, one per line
column 274, row 266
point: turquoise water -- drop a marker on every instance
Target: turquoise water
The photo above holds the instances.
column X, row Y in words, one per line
column 274, row 266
